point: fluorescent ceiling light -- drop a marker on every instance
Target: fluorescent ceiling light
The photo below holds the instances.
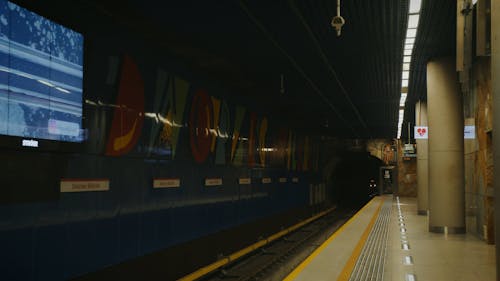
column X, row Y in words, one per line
column 411, row 33
column 408, row 46
column 402, row 100
column 415, row 6
column 406, row 74
column 413, row 21
column 406, row 66
column 407, row 59
column 404, row 82
column 407, row 52
column 410, row 41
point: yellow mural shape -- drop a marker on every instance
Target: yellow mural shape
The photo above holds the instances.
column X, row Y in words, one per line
column 122, row 141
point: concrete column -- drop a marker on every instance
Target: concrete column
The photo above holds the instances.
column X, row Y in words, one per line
column 495, row 85
column 446, row 148
column 422, row 161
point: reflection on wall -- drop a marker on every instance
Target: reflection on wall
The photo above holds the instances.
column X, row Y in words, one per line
column 382, row 149
column 217, row 132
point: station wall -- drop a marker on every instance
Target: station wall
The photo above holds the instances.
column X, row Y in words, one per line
column 147, row 117
column 478, row 152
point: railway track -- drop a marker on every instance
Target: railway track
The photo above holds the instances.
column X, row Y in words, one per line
column 276, row 260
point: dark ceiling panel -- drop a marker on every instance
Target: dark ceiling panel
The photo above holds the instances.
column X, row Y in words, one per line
column 351, row 82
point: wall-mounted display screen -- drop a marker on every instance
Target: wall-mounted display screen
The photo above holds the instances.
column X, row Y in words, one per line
column 41, row 77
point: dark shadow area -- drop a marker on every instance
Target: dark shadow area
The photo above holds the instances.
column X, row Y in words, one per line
column 352, row 178
column 180, row 260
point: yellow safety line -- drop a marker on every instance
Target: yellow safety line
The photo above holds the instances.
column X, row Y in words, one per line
column 220, row 263
column 351, row 262
column 316, row 252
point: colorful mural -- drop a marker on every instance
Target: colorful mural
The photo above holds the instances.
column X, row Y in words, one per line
column 218, row 134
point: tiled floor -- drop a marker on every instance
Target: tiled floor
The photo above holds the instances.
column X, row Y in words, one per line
column 436, row 257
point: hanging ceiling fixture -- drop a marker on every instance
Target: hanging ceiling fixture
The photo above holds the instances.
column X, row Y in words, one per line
column 338, row 21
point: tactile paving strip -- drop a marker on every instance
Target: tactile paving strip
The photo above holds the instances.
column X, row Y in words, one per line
column 370, row 264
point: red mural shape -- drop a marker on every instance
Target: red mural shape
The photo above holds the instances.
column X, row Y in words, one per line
column 128, row 117
column 199, row 126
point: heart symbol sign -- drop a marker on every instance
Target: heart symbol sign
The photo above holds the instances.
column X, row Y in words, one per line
column 421, row 131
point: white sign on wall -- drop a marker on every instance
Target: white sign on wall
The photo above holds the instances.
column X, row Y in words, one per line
column 84, row 185
column 469, row 132
column 213, row 181
column 166, row 182
column 421, row 132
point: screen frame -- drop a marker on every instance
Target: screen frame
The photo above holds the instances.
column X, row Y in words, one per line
column 12, row 142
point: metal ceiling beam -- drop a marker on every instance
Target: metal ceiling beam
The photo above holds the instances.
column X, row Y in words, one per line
column 326, row 61
column 264, row 30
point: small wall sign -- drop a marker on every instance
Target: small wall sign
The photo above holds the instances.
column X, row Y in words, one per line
column 266, row 180
column 244, row 181
column 166, row 182
column 84, row 185
column 213, row 181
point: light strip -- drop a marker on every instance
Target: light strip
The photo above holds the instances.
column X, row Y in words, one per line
column 413, row 21
column 415, row 6
column 402, row 100
column 409, row 43
column 411, row 33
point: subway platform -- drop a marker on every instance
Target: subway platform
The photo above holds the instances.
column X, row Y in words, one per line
column 387, row 240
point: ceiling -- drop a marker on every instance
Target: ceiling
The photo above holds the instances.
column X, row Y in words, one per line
column 347, row 86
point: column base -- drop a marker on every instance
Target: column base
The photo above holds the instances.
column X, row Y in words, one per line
column 422, row 212
column 447, row 229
